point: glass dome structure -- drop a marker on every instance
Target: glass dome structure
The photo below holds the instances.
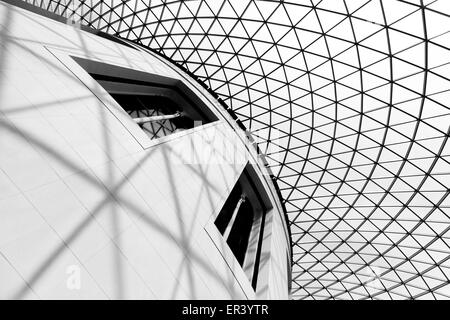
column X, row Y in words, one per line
column 349, row 100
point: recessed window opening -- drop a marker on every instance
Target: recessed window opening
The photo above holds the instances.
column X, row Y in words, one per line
column 238, row 231
column 159, row 105
column 158, row 116
column 241, row 222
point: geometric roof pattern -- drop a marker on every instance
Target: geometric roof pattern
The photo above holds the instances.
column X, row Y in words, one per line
column 350, row 102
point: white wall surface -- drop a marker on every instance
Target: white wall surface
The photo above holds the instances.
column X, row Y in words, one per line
column 79, row 192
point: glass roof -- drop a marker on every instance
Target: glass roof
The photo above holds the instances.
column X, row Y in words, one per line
column 350, row 101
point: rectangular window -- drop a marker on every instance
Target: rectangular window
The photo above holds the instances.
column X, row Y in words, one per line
column 159, row 105
column 159, row 116
column 241, row 222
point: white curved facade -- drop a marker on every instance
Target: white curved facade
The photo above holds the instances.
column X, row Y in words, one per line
column 90, row 206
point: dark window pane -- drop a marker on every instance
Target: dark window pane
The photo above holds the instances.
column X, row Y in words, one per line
column 227, row 211
column 240, row 232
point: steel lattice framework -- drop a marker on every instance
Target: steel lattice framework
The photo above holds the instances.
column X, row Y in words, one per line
column 350, row 100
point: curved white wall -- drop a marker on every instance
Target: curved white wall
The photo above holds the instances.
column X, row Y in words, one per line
column 83, row 193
